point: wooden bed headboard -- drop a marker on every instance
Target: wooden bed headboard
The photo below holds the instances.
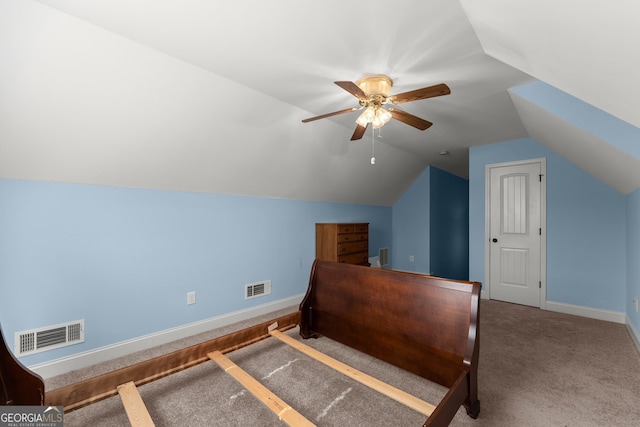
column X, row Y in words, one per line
column 423, row 324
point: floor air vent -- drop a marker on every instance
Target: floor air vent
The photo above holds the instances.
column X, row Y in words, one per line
column 257, row 289
column 48, row 338
column 383, row 255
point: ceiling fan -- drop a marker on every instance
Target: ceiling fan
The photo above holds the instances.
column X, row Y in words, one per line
column 373, row 93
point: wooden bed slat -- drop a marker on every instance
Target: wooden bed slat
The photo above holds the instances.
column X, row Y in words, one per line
column 134, row 406
column 282, row 409
column 388, row 390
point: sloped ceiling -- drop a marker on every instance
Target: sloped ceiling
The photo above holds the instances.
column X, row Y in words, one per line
column 209, row 96
column 588, row 49
column 609, row 164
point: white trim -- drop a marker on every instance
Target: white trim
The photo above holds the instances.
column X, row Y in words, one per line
column 103, row 354
column 543, row 237
column 487, row 229
column 635, row 336
column 543, row 224
column 590, row 312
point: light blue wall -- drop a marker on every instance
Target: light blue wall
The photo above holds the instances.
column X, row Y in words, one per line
column 586, row 244
column 449, row 225
column 124, row 259
column 411, row 226
column 614, row 131
column 633, row 256
column 430, row 222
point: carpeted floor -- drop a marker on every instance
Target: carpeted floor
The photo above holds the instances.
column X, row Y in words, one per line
column 537, row 368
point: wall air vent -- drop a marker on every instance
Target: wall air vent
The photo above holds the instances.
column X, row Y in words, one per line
column 257, row 289
column 48, row 338
column 383, row 255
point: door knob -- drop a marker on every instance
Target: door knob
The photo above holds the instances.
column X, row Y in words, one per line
column 494, row 240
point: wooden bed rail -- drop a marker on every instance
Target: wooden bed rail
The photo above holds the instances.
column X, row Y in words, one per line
column 20, row 386
column 103, row 386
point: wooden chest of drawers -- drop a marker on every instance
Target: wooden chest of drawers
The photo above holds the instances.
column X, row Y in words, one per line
column 348, row 243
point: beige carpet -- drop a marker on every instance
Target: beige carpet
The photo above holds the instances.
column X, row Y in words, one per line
column 537, row 368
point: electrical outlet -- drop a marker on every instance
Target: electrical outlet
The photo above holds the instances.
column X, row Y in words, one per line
column 411, row 258
column 635, row 304
column 191, row 298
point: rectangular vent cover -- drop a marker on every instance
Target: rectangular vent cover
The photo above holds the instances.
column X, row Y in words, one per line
column 48, row 338
column 383, row 255
column 257, row 289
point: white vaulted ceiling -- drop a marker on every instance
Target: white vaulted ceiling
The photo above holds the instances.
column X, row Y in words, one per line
column 209, row 96
column 587, row 48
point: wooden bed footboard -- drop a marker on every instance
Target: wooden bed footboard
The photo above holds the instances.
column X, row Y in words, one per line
column 18, row 385
column 422, row 324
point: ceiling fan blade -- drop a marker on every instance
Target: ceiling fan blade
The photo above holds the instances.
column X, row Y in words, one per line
column 418, row 94
column 353, row 89
column 359, row 132
column 410, row 119
column 335, row 113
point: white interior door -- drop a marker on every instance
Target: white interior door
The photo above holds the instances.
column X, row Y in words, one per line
column 515, row 233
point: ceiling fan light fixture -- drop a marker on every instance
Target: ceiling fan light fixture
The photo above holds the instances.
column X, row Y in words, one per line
column 367, row 116
column 375, row 115
column 382, row 118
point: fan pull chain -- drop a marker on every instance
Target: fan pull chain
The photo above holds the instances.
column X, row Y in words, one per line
column 373, row 146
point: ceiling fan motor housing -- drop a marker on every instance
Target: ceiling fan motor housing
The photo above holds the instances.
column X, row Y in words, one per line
column 376, row 85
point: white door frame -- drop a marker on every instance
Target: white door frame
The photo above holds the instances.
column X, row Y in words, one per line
column 543, row 225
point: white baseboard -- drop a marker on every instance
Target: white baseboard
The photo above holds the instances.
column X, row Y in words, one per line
column 593, row 313
column 103, row 354
column 635, row 336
